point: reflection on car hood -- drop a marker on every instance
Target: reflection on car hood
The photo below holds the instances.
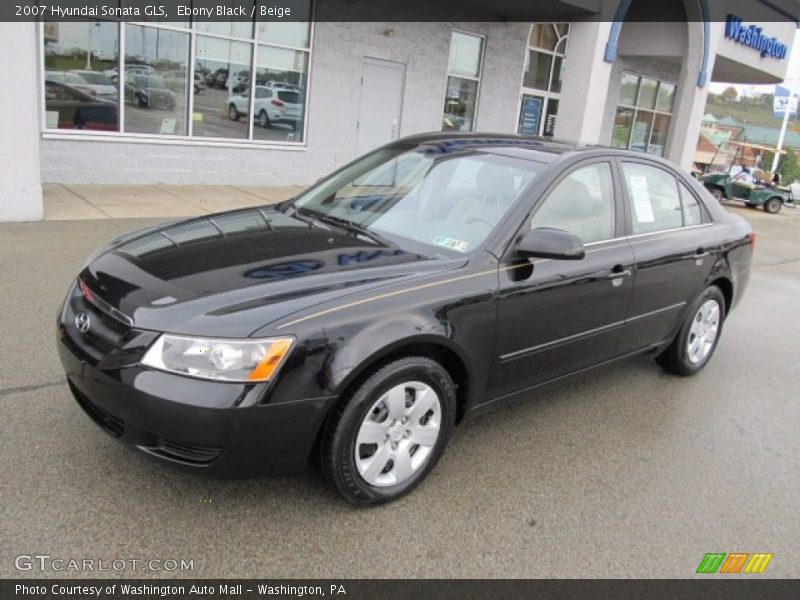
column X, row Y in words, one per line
column 232, row 273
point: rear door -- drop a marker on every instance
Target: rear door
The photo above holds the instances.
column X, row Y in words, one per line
column 672, row 246
column 558, row 316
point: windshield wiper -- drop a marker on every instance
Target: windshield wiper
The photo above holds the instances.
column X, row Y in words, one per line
column 351, row 226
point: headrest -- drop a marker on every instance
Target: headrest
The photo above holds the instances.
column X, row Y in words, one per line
column 571, row 198
column 495, row 181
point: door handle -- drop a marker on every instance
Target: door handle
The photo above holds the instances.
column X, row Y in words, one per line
column 700, row 253
column 618, row 272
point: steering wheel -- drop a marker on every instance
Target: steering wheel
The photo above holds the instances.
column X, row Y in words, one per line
column 480, row 220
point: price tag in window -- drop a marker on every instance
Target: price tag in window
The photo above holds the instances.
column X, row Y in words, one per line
column 51, row 119
column 642, row 205
column 168, row 127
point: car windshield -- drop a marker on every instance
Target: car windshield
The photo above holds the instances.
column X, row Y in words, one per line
column 724, row 158
column 446, row 197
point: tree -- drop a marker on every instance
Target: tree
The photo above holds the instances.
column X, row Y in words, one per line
column 730, row 94
column 790, row 168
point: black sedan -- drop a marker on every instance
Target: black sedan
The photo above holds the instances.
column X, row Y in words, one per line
column 359, row 322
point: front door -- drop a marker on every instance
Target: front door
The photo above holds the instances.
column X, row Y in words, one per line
column 561, row 316
column 381, row 103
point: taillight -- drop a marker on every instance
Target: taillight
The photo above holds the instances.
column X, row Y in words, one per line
column 277, row 103
column 751, row 239
column 93, row 92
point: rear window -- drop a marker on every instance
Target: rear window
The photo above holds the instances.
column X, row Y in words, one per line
column 290, row 97
column 97, row 78
column 153, row 82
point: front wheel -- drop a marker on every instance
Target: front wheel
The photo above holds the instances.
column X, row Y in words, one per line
column 385, row 438
column 773, row 205
column 233, row 112
column 697, row 339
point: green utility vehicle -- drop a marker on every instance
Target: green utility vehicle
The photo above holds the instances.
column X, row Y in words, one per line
column 728, row 178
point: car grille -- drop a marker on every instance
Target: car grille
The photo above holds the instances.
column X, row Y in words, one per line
column 106, row 420
column 189, row 453
column 108, row 331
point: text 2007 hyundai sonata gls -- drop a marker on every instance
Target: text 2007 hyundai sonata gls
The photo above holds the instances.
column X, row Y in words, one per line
column 360, row 321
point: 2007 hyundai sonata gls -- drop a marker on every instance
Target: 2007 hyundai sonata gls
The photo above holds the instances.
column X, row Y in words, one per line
column 360, row 321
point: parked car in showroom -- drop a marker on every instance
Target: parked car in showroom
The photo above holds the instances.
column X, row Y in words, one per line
column 98, row 85
column 271, row 106
column 98, row 91
column 78, row 110
column 148, row 91
column 358, row 323
column 176, row 81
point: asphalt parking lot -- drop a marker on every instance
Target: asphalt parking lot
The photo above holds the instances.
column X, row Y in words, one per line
column 627, row 472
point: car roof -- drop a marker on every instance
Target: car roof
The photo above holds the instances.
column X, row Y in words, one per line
column 537, row 148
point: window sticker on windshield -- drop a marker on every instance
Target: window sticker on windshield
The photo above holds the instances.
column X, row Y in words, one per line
column 457, row 245
column 642, row 205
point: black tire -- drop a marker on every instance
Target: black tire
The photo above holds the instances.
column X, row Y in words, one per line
column 675, row 358
column 137, row 101
column 338, row 444
column 233, row 112
column 263, row 119
column 773, row 205
column 717, row 193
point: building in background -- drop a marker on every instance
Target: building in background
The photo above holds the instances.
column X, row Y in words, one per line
column 284, row 103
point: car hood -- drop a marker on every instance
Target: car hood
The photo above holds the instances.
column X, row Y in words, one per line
column 233, row 273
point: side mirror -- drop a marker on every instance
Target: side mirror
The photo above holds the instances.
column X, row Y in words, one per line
column 556, row 244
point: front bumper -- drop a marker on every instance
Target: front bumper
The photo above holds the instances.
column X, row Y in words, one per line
column 220, row 428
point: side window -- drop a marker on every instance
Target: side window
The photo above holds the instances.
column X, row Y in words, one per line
column 692, row 213
column 582, row 203
column 653, row 193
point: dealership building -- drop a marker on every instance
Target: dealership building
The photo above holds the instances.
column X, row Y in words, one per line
column 282, row 103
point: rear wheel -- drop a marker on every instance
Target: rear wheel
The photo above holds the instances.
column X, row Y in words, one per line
column 383, row 440
column 773, row 205
column 263, row 119
column 697, row 339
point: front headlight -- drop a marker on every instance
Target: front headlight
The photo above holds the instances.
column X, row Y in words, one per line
column 222, row 360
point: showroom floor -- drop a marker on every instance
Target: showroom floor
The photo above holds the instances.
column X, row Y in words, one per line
column 626, row 472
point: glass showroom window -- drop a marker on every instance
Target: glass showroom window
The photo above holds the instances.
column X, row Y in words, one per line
column 179, row 79
column 221, row 109
column 80, row 66
column 463, row 82
column 644, row 111
column 542, row 77
column 155, row 86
